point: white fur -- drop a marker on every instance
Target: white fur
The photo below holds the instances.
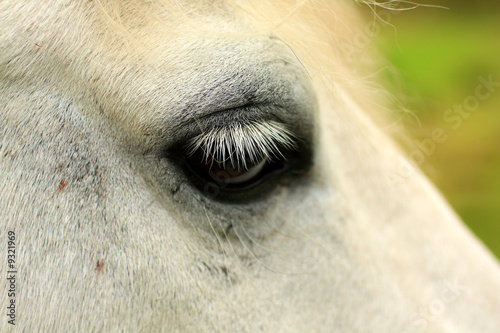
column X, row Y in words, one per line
column 112, row 237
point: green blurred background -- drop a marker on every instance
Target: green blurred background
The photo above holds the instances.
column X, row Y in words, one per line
column 439, row 55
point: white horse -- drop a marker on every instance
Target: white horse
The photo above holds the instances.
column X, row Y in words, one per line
column 206, row 167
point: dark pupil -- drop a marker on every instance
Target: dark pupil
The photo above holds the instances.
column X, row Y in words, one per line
column 228, row 172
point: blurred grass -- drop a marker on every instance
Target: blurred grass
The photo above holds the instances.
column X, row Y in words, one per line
column 440, row 54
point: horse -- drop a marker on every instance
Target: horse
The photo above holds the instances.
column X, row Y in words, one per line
column 216, row 166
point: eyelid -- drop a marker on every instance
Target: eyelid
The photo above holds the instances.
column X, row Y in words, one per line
column 193, row 126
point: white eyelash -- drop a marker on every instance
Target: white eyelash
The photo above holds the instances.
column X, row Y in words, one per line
column 243, row 143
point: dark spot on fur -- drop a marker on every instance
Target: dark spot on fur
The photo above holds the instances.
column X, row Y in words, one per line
column 175, row 189
column 61, row 186
column 100, row 266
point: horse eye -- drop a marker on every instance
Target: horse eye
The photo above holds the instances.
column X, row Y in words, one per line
column 234, row 175
column 240, row 155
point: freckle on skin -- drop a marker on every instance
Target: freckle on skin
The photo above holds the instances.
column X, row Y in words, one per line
column 62, row 184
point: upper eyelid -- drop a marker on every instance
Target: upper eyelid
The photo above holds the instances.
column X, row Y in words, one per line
column 192, row 127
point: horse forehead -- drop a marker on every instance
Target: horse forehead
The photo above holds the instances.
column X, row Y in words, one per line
column 72, row 36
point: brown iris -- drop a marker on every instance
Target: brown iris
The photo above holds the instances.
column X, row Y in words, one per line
column 227, row 173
